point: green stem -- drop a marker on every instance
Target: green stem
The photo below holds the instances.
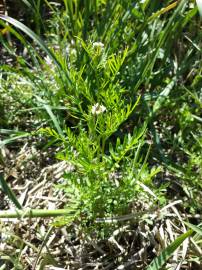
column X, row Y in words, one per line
column 33, row 213
column 103, row 146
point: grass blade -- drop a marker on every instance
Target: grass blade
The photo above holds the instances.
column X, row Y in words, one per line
column 199, row 4
column 159, row 261
column 194, row 228
column 15, row 136
column 51, row 114
column 8, row 191
column 36, row 39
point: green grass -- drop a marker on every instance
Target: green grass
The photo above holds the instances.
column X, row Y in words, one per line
column 117, row 86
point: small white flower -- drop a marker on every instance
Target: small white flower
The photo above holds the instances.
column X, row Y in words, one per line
column 70, row 51
column 199, row 4
column 97, row 109
column 98, row 45
column 48, row 60
column 67, row 50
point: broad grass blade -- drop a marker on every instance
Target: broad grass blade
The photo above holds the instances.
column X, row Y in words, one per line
column 159, row 261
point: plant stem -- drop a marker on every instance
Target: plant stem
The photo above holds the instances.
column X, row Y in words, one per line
column 33, row 213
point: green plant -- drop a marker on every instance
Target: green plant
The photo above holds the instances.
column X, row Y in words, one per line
column 106, row 174
column 112, row 87
column 105, row 177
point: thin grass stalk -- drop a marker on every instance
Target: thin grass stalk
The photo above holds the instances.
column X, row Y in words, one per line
column 34, row 213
